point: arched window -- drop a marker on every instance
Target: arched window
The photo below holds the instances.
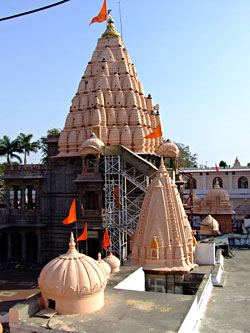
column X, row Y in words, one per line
column 30, row 197
column 219, row 180
column 15, row 197
column 242, row 182
column 194, row 183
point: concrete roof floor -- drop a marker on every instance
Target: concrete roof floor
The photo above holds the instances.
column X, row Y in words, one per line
column 228, row 309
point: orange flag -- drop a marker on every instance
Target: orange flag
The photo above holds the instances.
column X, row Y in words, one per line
column 106, row 240
column 217, row 169
column 72, row 214
column 155, row 134
column 84, row 235
column 116, row 194
column 102, row 15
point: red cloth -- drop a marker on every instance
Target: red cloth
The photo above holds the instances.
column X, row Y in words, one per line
column 72, row 214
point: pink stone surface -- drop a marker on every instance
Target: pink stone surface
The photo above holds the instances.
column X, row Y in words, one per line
column 74, row 281
column 113, row 262
column 163, row 222
column 110, row 95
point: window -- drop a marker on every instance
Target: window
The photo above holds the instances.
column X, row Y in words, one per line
column 90, row 200
column 90, row 161
column 242, row 182
column 30, row 197
column 15, row 197
column 219, row 180
column 194, row 183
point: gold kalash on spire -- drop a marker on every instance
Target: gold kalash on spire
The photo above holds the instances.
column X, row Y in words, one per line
column 110, row 30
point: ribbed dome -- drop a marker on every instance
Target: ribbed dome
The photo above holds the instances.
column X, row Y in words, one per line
column 113, row 262
column 70, row 277
column 93, row 142
column 217, row 195
column 168, row 149
column 72, row 273
column 104, row 265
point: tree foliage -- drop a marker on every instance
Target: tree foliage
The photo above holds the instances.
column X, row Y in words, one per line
column 44, row 146
column 26, row 145
column 223, row 164
column 9, row 149
column 186, row 158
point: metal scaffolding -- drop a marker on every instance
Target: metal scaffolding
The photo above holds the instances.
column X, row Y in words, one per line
column 122, row 209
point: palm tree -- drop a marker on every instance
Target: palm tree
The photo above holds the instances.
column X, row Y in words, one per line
column 9, row 148
column 26, row 145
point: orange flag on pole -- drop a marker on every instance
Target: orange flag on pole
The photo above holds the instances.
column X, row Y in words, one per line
column 217, row 169
column 102, row 16
column 72, row 214
column 106, row 240
column 155, row 134
column 84, row 235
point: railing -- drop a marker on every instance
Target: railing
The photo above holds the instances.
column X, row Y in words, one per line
column 16, row 219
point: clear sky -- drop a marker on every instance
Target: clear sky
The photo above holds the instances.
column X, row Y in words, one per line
column 192, row 56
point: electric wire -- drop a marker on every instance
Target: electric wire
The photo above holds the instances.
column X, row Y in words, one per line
column 33, row 11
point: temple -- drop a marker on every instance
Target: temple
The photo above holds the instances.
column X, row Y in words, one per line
column 101, row 149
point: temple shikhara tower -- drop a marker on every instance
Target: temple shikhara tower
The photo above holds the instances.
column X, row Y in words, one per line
column 110, row 102
column 163, row 239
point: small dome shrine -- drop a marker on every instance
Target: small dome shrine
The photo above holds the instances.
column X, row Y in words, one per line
column 73, row 283
column 209, row 226
column 106, row 267
column 168, row 149
column 113, row 262
column 93, row 145
column 218, row 196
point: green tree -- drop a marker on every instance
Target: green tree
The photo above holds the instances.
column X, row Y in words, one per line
column 44, row 146
column 223, row 164
column 54, row 131
column 26, row 145
column 10, row 148
column 186, row 158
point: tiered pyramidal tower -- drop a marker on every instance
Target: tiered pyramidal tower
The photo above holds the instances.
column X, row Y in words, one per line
column 110, row 102
column 163, row 239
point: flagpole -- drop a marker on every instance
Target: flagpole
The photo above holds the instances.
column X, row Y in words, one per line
column 87, row 246
column 77, row 246
column 120, row 18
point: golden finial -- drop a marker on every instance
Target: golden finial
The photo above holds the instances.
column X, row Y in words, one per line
column 110, row 30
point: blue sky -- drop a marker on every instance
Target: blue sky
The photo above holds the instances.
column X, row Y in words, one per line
column 192, row 56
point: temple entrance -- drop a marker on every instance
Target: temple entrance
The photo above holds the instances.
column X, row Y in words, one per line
column 31, row 247
column 16, row 244
column 3, row 247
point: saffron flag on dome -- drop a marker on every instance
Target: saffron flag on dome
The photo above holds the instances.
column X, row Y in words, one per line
column 217, row 169
column 106, row 240
column 102, row 16
column 155, row 134
column 84, row 235
column 72, row 214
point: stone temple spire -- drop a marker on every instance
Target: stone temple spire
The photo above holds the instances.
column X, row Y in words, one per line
column 110, row 102
column 163, row 238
